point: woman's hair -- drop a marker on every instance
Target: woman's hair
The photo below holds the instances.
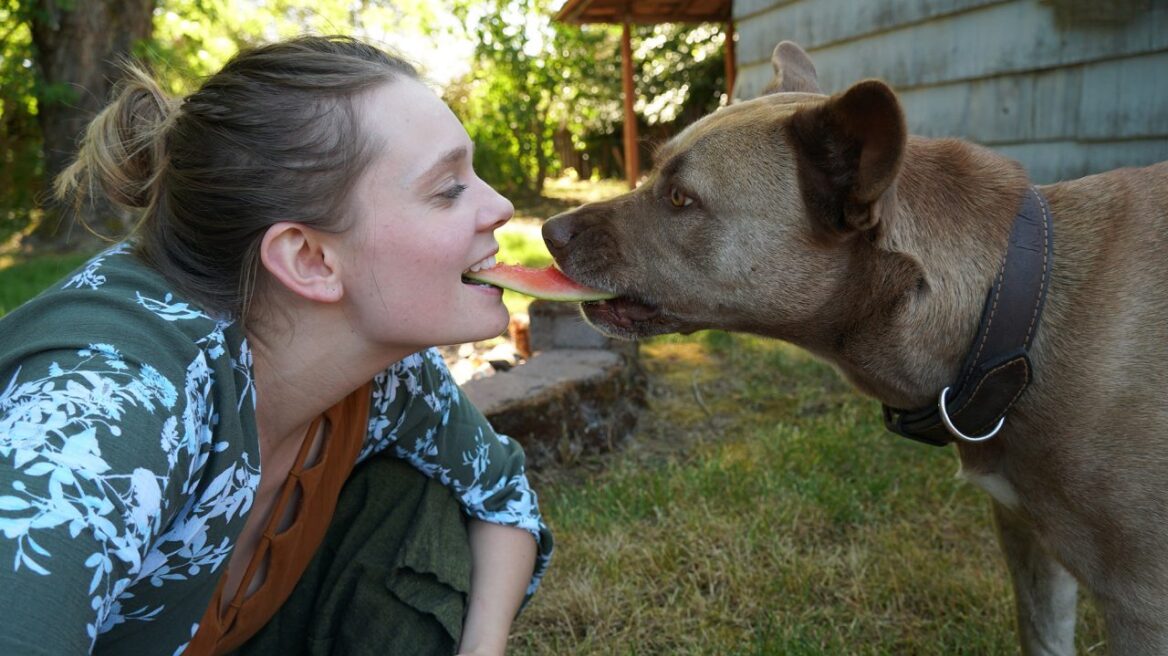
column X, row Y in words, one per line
column 273, row 136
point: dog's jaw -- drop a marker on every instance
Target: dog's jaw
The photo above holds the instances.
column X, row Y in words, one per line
column 626, row 318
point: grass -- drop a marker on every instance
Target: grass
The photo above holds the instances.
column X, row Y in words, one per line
column 21, row 279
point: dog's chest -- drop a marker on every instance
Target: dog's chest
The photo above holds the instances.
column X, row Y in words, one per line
column 995, row 485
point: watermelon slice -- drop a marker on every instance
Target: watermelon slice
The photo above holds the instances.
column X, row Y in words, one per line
column 548, row 283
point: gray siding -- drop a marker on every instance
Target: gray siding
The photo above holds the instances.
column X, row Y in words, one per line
column 1067, row 88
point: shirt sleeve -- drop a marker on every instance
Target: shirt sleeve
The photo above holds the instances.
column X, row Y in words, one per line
column 85, row 463
column 421, row 415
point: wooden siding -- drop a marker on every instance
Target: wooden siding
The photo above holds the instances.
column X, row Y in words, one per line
column 1066, row 97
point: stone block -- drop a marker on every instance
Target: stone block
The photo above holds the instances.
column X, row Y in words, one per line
column 555, row 325
column 563, row 403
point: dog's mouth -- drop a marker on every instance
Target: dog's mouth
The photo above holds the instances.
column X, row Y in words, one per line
column 626, row 317
column 630, row 314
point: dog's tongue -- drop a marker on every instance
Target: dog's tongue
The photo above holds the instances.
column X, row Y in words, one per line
column 548, row 283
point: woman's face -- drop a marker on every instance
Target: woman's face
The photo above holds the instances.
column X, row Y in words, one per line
column 421, row 218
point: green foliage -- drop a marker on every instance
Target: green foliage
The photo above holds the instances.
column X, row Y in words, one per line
column 541, row 95
column 506, row 101
column 191, row 39
column 194, row 38
column 537, row 85
column 681, row 72
column 20, row 135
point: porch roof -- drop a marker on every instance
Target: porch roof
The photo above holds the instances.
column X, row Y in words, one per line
column 648, row 12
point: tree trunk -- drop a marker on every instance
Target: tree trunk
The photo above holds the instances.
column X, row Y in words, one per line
column 78, row 44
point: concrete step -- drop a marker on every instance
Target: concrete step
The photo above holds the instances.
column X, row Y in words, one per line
column 564, row 403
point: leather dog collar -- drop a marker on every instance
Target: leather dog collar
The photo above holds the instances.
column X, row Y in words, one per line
column 997, row 369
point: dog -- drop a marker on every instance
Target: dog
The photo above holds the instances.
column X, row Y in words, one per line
column 819, row 221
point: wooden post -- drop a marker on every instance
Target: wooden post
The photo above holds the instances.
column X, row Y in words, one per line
column 632, row 157
column 731, row 63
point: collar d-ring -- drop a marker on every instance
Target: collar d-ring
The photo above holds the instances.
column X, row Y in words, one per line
column 953, row 429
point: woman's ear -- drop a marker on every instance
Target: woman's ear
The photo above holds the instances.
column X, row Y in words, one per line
column 303, row 261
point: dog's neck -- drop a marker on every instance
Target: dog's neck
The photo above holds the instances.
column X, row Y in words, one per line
column 915, row 289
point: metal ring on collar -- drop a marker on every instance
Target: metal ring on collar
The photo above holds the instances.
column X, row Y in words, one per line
column 953, row 429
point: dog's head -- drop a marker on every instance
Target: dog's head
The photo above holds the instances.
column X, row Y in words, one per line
column 748, row 216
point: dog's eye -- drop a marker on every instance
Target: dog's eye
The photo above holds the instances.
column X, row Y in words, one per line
column 677, row 198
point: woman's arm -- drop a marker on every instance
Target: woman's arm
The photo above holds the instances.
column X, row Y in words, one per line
column 421, row 416
column 502, row 558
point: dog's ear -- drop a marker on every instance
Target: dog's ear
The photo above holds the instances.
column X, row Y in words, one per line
column 848, row 151
column 793, row 71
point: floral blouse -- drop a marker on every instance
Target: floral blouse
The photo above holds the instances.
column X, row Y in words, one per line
column 129, row 460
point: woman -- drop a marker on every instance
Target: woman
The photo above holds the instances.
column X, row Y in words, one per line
column 178, row 418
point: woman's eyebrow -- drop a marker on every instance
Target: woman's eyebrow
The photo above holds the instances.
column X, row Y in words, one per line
column 450, row 157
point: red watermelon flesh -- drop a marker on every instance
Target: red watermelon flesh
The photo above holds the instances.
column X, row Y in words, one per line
column 548, row 283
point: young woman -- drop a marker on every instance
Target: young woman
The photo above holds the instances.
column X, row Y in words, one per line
column 203, row 431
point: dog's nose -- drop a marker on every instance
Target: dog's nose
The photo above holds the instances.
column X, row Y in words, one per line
column 558, row 231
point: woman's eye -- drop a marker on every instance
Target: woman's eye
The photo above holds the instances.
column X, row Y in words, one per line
column 453, row 192
column 677, row 198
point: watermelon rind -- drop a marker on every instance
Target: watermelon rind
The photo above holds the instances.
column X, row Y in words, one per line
column 548, row 283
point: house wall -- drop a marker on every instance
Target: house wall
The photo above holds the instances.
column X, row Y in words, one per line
column 1067, row 87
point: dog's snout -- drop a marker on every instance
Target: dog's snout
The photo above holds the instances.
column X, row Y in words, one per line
column 558, row 231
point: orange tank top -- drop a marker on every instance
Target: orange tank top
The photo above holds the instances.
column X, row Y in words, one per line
column 288, row 552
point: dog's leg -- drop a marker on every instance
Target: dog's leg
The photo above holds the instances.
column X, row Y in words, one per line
column 1045, row 594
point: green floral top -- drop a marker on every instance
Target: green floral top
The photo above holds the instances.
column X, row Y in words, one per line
column 129, row 460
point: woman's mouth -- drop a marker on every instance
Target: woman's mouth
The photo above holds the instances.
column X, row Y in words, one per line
column 485, row 263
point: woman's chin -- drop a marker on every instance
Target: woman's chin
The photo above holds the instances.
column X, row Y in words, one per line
column 490, row 326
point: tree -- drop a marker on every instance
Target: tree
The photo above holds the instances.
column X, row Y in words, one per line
column 58, row 63
column 512, row 99
column 20, row 138
column 534, row 83
column 534, row 78
column 77, row 46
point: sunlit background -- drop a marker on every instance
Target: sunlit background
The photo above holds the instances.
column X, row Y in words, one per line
column 541, row 99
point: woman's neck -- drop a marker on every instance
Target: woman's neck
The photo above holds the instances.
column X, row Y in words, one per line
column 306, row 358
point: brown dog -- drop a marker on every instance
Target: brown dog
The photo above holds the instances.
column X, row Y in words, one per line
column 818, row 221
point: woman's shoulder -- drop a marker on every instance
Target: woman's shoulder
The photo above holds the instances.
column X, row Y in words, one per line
column 112, row 297
column 115, row 301
column 111, row 340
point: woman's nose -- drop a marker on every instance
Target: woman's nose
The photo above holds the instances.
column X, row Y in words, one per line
column 499, row 211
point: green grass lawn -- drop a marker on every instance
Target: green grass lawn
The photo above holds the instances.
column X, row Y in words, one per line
column 22, row 279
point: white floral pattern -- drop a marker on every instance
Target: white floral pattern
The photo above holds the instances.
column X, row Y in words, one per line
column 122, row 471
column 89, row 276
column 483, row 468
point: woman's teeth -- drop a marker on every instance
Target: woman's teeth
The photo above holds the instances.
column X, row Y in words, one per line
column 485, row 264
